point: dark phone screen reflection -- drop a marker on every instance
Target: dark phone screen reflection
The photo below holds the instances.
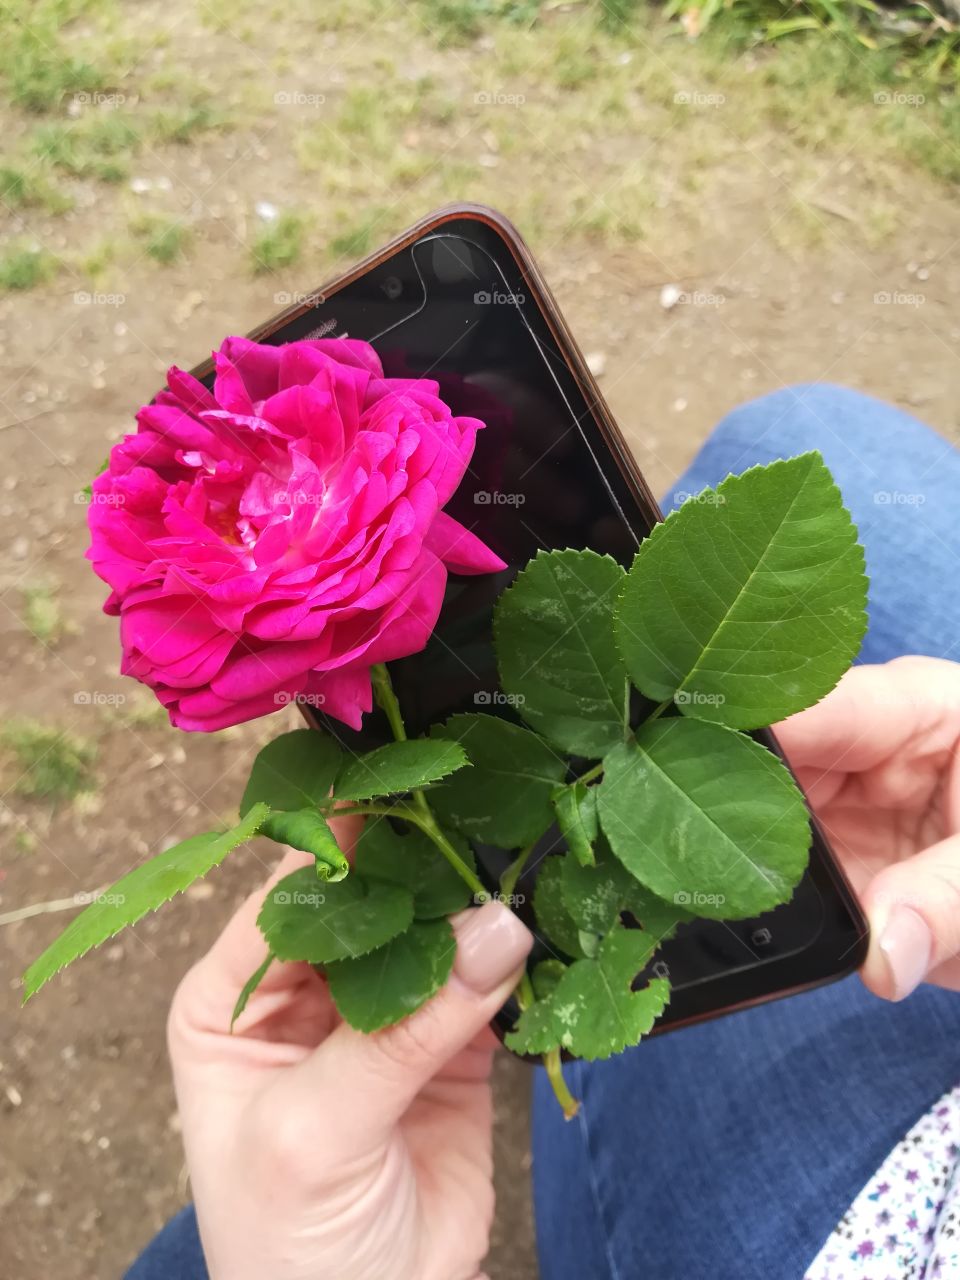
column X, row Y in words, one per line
column 452, row 309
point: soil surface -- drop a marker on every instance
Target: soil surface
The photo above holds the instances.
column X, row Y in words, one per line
column 90, row 1159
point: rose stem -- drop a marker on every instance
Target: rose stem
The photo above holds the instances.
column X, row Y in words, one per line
column 424, row 818
column 554, row 1068
column 508, row 881
column 551, row 1059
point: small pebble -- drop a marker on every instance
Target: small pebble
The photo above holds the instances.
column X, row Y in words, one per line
column 670, row 295
column 597, row 363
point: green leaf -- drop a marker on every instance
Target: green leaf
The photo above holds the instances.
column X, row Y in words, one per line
column 378, row 989
column 556, row 651
column 398, row 766
column 545, row 977
column 294, row 771
column 303, row 919
column 414, row 861
column 706, row 818
column 593, row 1011
column 305, row 829
column 749, row 602
column 249, row 987
column 576, row 809
column 505, row 799
column 139, row 891
column 536, row 1031
column 554, row 921
column 595, row 897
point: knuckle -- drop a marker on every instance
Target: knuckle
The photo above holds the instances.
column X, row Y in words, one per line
column 415, row 1040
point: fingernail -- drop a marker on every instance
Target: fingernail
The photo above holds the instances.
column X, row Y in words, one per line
column 906, row 945
column 491, row 943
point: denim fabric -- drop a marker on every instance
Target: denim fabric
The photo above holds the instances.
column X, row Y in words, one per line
column 729, row 1151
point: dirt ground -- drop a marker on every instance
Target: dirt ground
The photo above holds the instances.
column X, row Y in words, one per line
column 90, row 1157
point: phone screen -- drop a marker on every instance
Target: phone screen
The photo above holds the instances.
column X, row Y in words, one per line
column 452, row 306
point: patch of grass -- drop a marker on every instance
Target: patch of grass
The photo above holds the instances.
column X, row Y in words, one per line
column 24, row 188
column 41, row 63
column 96, row 146
column 49, row 763
column 41, row 611
column 163, row 239
column 354, row 242
column 181, row 124
column 279, row 244
column 24, row 266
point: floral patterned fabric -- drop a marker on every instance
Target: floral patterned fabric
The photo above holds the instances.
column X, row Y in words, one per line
column 905, row 1223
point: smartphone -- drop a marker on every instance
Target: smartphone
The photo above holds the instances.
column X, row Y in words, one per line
column 458, row 298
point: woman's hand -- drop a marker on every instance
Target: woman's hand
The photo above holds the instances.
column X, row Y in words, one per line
column 318, row 1153
column 879, row 758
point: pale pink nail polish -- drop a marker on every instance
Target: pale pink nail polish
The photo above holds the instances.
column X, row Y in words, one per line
column 906, row 945
column 491, row 943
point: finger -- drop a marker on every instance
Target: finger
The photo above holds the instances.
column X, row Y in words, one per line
column 241, row 947
column 914, row 913
column 374, row 1078
column 875, row 712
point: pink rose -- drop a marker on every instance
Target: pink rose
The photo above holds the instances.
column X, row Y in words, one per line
column 278, row 535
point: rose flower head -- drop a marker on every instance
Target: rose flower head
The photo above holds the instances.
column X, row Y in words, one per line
column 276, row 535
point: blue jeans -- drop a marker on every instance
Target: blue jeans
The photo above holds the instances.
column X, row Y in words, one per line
column 729, row 1151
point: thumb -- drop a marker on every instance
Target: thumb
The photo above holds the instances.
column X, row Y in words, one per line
column 376, row 1077
column 914, row 913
